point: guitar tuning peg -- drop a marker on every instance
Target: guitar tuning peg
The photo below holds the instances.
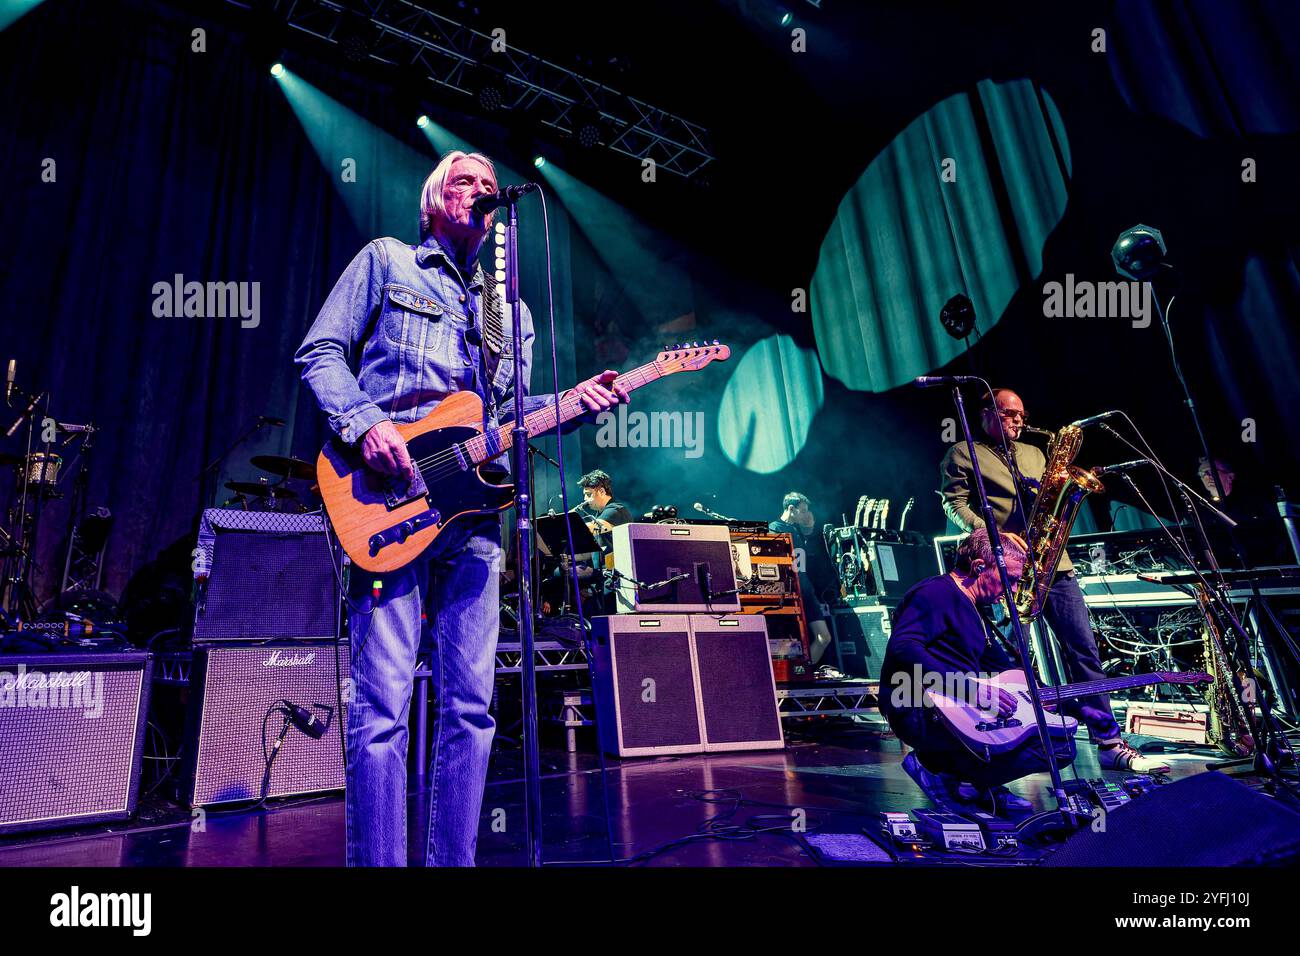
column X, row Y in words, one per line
column 715, row 342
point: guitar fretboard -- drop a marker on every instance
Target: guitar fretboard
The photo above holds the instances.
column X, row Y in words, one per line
column 1088, row 688
column 493, row 442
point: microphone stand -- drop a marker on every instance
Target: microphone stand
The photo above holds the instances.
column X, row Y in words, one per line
column 1191, row 408
column 205, row 475
column 1062, row 815
column 523, row 551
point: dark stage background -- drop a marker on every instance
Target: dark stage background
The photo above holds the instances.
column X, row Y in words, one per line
column 170, row 161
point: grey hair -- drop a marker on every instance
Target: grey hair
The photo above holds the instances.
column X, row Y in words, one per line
column 431, row 203
column 977, row 547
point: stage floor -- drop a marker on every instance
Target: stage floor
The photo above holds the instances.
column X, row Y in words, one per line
column 832, row 784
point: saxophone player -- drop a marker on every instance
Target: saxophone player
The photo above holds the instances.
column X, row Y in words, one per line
column 1003, row 413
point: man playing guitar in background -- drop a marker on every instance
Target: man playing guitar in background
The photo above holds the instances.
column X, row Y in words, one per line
column 942, row 627
column 1065, row 610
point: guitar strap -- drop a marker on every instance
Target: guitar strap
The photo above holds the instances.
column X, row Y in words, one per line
column 494, row 335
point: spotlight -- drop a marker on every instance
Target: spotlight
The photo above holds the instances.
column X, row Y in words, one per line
column 587, row 129
column 958, row 316
column 277, row 70
column 423, row 121
column 488, row 88
column 355, row 36
column 786, row 19
column 1139, row 252
column 539, row 161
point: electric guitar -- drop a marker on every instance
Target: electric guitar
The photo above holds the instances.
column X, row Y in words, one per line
column 384, row 522
column 986, row 734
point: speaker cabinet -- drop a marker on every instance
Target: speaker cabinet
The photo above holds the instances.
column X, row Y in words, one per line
column 698, row 555
column 264, row 576
column 71, row 732
column 1206, row 820
column 647, row 702
column 232, row 691
column 737, row 690
column 861, row 636
column 672, row 684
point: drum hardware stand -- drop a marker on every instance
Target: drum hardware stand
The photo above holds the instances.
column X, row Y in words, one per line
column 82, row 568
column 19, row 599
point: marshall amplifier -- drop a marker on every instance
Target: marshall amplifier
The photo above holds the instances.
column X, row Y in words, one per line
column 674, row 569
column 71, row 731
column 263, row 575
column 237, row 710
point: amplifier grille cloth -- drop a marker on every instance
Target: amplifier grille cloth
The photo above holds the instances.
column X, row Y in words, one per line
column 65, row 761
column 239, row 686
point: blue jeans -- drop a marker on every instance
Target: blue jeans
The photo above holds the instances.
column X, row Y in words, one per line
column 458, row 578
column 1067, row 615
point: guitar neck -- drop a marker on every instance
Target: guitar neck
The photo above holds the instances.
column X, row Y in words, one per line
column 496, row 440
column 1088, row 688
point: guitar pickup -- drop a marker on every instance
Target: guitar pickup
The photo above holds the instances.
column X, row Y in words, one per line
column 398, row 492
column 399, row 533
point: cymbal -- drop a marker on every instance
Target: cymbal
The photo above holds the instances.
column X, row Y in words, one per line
column 285, row 467
column 256, row 489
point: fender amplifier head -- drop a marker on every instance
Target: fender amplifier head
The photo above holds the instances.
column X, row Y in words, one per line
column 666, row 569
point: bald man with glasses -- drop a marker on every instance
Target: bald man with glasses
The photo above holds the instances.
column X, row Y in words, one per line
column 1021, row 466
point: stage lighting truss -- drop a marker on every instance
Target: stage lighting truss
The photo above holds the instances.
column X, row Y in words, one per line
column 454, row 56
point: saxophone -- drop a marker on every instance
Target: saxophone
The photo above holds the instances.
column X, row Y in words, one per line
column 1061, row 492
column 1228, row 727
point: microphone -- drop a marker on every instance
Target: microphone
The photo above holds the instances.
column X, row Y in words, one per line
column 9, row 379
column 18, row 422
column 1122, row 466
column 307, row 722
column 71, row 429
column 511, row 194
column 930, row 381
column 712, row 514
column 1094, row 419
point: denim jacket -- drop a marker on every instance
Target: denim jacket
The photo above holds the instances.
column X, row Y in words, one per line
column 396, row 337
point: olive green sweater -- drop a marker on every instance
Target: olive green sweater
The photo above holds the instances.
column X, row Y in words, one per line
column 960, row 501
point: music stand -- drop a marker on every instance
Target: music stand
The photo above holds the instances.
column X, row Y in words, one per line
column 554, row 536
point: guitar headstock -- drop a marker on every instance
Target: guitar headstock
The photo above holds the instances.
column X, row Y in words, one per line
column 691, row 356
column 1185, row 677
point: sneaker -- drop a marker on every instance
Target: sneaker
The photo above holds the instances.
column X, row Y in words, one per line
column 998, row 801
column 938, row 787
column 1004, row 803
column 1124, row 758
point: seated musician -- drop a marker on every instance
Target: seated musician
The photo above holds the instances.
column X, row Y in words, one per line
column 601, row 513
column 943, row 629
